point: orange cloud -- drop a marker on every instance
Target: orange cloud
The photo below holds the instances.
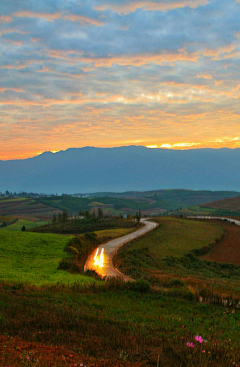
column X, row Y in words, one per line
column 35, row 39
column 19, row 90
column 140, row 60
column 214, row 53
column 132, row 6
column 12, row 30
column 51, row 17
column 204, row 76
column 5, row 18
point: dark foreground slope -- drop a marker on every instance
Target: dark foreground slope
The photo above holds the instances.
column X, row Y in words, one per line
column 122, row 169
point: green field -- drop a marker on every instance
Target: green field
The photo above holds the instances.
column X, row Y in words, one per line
column 176, row 237
column 17, row 226
column 34, row 258
column 169, row 255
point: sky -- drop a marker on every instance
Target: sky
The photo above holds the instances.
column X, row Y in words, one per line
column 125, row 72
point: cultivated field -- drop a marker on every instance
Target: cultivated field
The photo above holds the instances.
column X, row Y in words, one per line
column 228, row 250
column 27, row 209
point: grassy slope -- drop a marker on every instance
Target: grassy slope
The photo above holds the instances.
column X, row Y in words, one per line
column 176, row 237
column 34, row 258
column 165, row 254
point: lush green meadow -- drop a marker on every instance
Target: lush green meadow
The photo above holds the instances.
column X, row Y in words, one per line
column 34, row 258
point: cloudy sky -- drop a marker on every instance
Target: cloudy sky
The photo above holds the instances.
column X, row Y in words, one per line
column 125, row 72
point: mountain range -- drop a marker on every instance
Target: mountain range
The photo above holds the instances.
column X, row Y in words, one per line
column 126, row 168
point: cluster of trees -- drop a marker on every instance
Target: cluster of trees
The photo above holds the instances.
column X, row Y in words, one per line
column 61, row 218
column 87, row 214
column 64, row 216
column 24, row 194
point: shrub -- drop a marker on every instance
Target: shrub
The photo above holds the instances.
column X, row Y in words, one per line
column 176, row 283
column 93, row 274
column 69, row 265
column 142, row 286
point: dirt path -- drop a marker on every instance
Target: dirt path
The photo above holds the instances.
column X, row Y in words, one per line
column 110, row 248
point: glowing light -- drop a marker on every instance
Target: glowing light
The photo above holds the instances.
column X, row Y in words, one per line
column 152, row 146
column 178, row 145
column 99, row 259
column 55, row 151
column 166, row 146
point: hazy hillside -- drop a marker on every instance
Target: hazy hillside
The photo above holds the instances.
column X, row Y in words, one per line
column 227, row 204
column 123, row 169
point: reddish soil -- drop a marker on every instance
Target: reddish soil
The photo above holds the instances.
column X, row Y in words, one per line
column 27, row 208
column 226, row 204
column 228, row 250
column 15, row 352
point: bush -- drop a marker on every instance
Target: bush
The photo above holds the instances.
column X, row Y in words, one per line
column 142, row 286
column 69, row 265
column 176, row 283
column 93, row 274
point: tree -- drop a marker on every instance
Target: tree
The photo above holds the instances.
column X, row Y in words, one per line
column 65, row 216
column 60, row 218
column 100, row 213
column 86, row 214
column 138, row 216
column 54, row 220
column 91, row 237
column 23, row 228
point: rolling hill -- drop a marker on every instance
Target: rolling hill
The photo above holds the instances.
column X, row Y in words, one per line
column 232, row 204
column 138, row 168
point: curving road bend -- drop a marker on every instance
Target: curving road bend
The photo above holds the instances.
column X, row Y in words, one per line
column 110, row 249
column 237, row 222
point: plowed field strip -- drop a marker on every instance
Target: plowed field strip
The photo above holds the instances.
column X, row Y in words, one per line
column 228, row 250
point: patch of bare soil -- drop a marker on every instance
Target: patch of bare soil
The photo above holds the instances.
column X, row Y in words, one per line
column 228, row 250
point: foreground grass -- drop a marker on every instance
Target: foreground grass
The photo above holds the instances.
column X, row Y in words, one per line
column 34, row 258
column 116, row 326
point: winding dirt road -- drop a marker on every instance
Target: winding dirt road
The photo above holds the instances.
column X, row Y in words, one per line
column 110, row 248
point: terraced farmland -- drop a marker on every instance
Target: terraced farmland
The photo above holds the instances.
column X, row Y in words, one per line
column 27, row 209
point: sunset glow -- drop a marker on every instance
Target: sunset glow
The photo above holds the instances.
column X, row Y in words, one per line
column 162, row 74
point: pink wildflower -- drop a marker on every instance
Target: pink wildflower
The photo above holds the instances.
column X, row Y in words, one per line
column 199, row 339
column 190, row 345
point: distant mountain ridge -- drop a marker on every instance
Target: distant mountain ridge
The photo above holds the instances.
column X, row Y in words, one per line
column 129, row 168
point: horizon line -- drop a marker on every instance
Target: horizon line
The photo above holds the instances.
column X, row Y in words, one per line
column 177, row 148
